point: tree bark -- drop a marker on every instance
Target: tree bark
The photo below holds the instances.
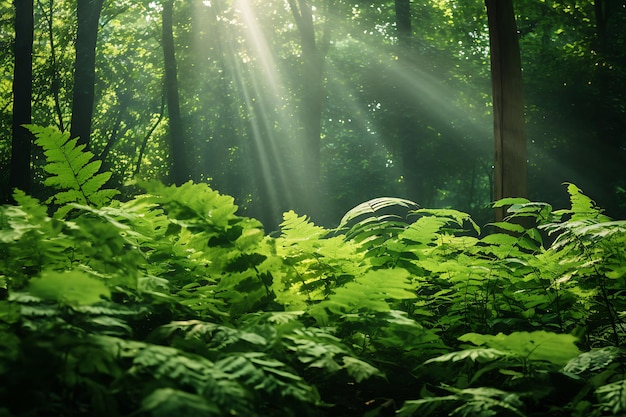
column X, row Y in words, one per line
column 179, row 173
column 510, row 175
column 21, row 143
column 55, row 83
column 88, row 17
column 408, row 146
column 313, row 57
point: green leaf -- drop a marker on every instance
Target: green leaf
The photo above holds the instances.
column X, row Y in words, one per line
column 166, row 402
column 475, row 355
column 555, row 348
column 511, row 227
column 372, row 291
column 71, row 171
column 72, row 287
column 372, row 207
column 592, row 361
column 509, row 201
column 613, row 397
column 359, row 369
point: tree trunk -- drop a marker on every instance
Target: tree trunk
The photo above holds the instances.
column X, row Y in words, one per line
column 510, row 175
column 21, row 143
column 403, row 22
column 55, row 83
column 313, row 57
column 178, row 174
column 88, row 17
column 408, row 147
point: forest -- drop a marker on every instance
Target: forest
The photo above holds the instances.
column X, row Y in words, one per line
column 331, row 208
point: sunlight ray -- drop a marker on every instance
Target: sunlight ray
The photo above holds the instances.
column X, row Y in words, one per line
column 265, row 105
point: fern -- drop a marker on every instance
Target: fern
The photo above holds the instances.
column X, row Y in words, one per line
column 555, row 348
column 376, row 218
column 480, row 355
column 374, row 291
column 474, row 402
column 592, row 361
column 613, row 397
column 165, row 402
column 582, row 206
column 72, row 170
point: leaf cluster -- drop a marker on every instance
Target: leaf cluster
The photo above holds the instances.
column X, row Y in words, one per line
column 171, row 302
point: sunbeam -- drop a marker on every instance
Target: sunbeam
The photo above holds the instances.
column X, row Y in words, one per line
column 359, row 113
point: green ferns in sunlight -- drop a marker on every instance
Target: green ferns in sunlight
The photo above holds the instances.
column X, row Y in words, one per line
column 72, row 169
column 171, row 302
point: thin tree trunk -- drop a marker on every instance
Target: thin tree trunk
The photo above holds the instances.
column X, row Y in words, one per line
column 144, row 143
column 21, row 143
column 55, row 83
column 510, row 175
column 88, row 17
column 124, row 100
column 179, row 173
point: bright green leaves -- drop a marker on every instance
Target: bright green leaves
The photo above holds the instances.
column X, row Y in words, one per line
column 71, row 287
column 220, row 263
column 583, row 207
column 195, row 204
column 71, row 169
column 373, row 220
column 476, row 355
column 312, row 263
column 182, row 306
column 540, row 345
column 372, row 292
column 300, row 228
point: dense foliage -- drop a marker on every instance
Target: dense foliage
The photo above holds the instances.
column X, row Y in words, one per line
column 170, row 303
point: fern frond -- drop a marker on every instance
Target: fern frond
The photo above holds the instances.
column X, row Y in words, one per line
column 72, row 169
column 583, row 207
column 371, row 292
column 197, row 205
column 375, row 210
column 375, row 222
column 300, row 227
column 479, row 355
column 593, row 361
column 613, row 397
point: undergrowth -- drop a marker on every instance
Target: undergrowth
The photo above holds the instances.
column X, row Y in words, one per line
column 171, row 303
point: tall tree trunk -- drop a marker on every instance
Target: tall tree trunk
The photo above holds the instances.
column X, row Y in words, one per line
column 408, row 147
column 178, row 174
column 21, row 143
column 88, row 17
column 510, row 175
column 313, row 57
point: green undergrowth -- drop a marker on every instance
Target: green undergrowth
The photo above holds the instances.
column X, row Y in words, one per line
column 170, row 303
